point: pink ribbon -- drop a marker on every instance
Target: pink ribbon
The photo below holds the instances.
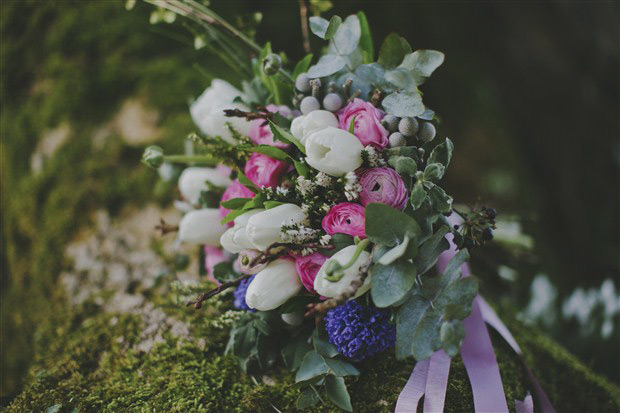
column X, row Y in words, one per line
column 430, row 376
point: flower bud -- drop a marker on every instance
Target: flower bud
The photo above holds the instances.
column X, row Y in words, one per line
column 193, row 181
column 153, row 156
column 333, row 151
column 235, row 240
column 202, row 226
column 271, row 64
column 264, row 228
column 330, row 289
column 245, row 259
column 273, row 286
column 304, row 125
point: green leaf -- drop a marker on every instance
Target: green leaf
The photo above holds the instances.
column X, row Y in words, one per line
column 234, row 203
column 327, row 65
column 431, row 249
column 245, row 181
column 368, row 50
column 403, row 104
column 302, row 66
column 393, row 50
column 312, row 365
column 418, row 194
column 336, row 390
column 296, row 303
column 224, row 272
column 404, row 165
column 453, row 269
column 402, row 79
column 442, row 153
column 440, row 200
column 339, row 241
column 452, row 334
column 391, row 283
column 434, row 171
column 324, row 29
column 295, row 350
column 348, row 35
column 307, row 398
column 352, row 125
column 422, row 63
column 230, row 217
column 322, row 344
column 272, row 204
column 270, row 151
column 386, row 225
column 341, row 368
column 284, row 136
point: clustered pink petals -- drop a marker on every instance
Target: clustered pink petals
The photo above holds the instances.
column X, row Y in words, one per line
column 264, row 171
column 345, row 218
column 260, row 133
column 368, row 128
column 236, row 190
column 383, row 185
column 308, row 267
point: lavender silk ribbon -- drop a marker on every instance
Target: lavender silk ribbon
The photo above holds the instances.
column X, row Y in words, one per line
column 430, row 377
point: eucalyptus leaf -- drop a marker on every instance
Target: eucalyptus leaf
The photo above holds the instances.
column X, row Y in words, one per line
column 403, row 104
column 295, row 350
column 341, row 368
column 390, row 283
column 327, row 65
column 340, row 241
column 336, row 390
column 307, row 398
column 348, row 35
column 312, row 365
column 422, row 63
column 388, row 226
column 402, row 79
column 393, row 50
column 430, row 250
column 322, row 345
column 453, row 269
column 442, row 153
column 452, row 334
column 324, row 29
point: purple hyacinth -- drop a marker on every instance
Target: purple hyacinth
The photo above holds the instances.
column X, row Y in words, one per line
column 360, row 331
column 239, row 294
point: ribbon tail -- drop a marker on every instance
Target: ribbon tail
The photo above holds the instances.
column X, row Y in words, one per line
column 494, row 321
column 414, row 389
column 437, row 382
column 525, row 406
column 481, row 365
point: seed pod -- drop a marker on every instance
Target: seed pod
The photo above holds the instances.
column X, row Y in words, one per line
column 302, row 83
column 487, row 234
column 426, row 132
column 491, row 213
column 153, row 156
column 408, row 127
column 309, row 104
column 397, row 139
column 332, row 102
column 390, row 122
column 271, row 64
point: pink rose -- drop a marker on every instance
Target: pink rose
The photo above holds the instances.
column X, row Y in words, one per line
column 236, row 190
column 263, row 170
column 260, row 132
column 368, row 128
column 383, row 185
column 345, row 218
column 308, row 267
column 214, row 256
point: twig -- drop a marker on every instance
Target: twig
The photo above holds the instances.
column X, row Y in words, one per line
column 237, row 113
column 205, row 296
column 303, row 14
column 166, row 228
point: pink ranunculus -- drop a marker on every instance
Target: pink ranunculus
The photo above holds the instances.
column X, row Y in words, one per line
column 368, row 128
column 260, row 133
column 382, row 185
column 308, row 267
column 214, row 256
column 345, row 218
column 264, row 171
column 236, row 190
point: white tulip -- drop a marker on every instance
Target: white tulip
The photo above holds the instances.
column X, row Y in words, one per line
column 273, row 286
column 208, row 111
column 193, row 181
column 330, row 289
column 263, row 229
column 333, row 151
column 303, row 126
column 202, row 226
column 235, row 240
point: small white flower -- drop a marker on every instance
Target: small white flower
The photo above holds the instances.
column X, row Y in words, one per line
column 282, row 191
column 305, row 186
column 324, row 180
column 325, row 240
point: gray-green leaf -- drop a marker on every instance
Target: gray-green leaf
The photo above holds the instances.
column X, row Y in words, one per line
column 388, row 226
column 307, row 398
column 434, row 171
column 442, row 153
column 312, row 365
column 422, row 63
column 417, row 195
column 337, row 392
column 403, row 104
column 327, row 65
column 323, row 28
column 393, row 50
column 391, row 283
column 347, row 37
column 452, row 334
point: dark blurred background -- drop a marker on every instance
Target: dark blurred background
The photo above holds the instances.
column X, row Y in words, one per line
column 529, row 93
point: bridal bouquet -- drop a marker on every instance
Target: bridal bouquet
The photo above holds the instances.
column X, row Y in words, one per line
column 317, row 196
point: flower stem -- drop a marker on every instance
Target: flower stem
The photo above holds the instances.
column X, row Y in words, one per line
column 338, row 273
column 191, row 159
